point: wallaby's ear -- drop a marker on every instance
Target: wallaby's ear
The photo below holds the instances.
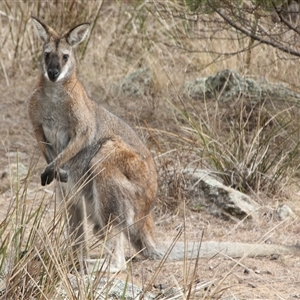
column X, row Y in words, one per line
column 77, row 34
column 41, row 29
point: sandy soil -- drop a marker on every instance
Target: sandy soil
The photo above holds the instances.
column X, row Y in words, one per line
column 248, row 278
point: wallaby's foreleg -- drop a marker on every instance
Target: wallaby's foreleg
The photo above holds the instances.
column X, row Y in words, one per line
column 50, row 171
column 113, row 237
column 78, row 141
column 46, row 149
column 113, row 259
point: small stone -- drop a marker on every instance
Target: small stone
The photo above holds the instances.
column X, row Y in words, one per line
column 274, row 256
column 284, row 212
column 160, row 286
column 253, row 285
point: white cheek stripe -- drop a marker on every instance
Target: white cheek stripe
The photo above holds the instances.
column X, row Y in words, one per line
column 46, row 75
column 63, row 73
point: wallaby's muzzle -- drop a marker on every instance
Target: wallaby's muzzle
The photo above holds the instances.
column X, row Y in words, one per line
column 53, row 66
column 53, row 74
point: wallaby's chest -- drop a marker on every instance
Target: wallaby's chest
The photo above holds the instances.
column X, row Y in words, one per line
column 56, row 121
column 57, row 134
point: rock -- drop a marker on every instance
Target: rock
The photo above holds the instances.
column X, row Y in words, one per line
column 228, row 85
column 225, row 85
column 136, row 84
column 16, row 155
column 221, row 200
column 196, row 89
column 15, row 170
column 105, row 289
column 102, row 288
column 11, row 175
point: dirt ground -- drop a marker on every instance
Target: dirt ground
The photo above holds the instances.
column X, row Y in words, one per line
column 248, row 278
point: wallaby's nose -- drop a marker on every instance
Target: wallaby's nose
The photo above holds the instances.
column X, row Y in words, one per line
column 53, row 74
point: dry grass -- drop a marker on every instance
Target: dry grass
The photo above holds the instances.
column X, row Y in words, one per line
column 245, row 143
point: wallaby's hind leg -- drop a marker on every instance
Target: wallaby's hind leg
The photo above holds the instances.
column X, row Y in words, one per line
column 113, row 248
column 142, row 237
column 125, row 186
column 107, row 226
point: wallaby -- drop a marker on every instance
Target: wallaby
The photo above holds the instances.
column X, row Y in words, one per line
column 86, row 145
column 83, row 142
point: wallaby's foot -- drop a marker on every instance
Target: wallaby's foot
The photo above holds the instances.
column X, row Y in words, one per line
column 157, row 255
column 154, row 254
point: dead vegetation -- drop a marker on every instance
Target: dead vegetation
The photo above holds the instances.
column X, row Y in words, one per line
column 253, row 146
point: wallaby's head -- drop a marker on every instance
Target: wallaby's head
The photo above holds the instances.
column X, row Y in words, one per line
column 58, row 60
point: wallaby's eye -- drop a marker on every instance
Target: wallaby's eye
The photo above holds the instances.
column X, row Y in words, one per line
column 47, row 54
column 65, row 57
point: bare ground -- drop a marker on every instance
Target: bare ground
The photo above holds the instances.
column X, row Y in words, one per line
column 248, row 278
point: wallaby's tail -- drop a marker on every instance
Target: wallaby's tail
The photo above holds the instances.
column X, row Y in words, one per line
column 183, row 250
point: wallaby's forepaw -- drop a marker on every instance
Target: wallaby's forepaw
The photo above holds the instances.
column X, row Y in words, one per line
column 61, row 175
column 48, row 175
